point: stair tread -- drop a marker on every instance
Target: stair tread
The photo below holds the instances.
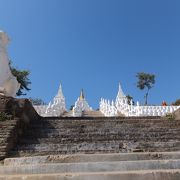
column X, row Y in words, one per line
column 99, row 134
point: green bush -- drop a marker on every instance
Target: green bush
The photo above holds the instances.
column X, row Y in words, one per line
column 4, row 116
column 170, row 116
column 177, row 102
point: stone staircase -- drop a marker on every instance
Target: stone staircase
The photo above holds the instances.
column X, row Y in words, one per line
column 7, row 136
column 68, row 135
column 67, row 114
column 126, row 166
column 92, row 114
column 84, row 114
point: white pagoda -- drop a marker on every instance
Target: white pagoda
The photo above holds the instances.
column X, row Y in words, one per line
column 57, row 107
column 81, row 105
column 121, row 97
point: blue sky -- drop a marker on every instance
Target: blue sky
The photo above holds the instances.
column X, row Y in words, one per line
column 95, row 44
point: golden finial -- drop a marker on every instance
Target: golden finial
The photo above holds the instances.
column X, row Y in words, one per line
column 82, row 95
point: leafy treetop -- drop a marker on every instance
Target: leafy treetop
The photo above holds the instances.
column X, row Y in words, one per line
column 23, row 78
column 145, row 81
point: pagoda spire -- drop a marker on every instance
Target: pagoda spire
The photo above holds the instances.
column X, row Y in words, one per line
column 82, row 97
column 60, row 91
column 120, row 92
column 81, row 105
column 58, row 105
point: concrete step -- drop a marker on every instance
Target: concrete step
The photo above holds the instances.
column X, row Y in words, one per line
column 79, row 158
column 99, row 134
column 100, row 120
column 9, row 122
column 92, row 114
column 65, row 140
column 78, row 119
column 91, row 126
column 68, row 114
column 126, row 166
column 118, row 175
column 2, row 155
column 100, row 146
column 85, row 167
column 121, row 130
column 66, row 133
column 107, row 125
column 71, row 152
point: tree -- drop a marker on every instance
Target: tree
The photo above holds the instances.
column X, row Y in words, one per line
column 71, row 107
column 23, row 78
column 129, row 99
column 177, row 102
column 37, row 101
column 145, row 81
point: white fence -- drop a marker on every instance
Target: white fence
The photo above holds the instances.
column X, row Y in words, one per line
column 113, row 109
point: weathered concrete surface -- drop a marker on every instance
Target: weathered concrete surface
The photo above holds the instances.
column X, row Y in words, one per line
column 79, row 158
column 92, row 114
column 130, row 175
column 127, row 166
column 98, row 135
column 91, row 167
column 177, row 114
column 8, row 136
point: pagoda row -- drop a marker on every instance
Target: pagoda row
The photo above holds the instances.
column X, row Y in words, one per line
column 120, row 107
column 57, row 107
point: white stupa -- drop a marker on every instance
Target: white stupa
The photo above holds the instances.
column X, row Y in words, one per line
column 121, row 97
column 58, row 106
column 81, row 105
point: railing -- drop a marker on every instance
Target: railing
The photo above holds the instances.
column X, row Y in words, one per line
column 112, row 109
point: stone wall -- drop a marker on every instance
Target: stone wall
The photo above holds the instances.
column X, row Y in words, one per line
column 8, row 136
column 177, row 114
column 21, row 112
